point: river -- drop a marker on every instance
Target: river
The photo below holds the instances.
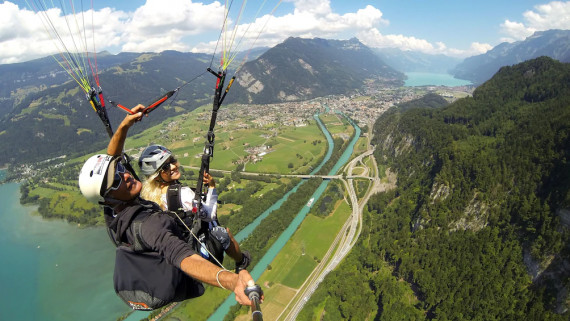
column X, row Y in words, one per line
column 274, row 250
column 52, row 270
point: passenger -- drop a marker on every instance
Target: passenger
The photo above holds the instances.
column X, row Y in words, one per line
column 161, row 185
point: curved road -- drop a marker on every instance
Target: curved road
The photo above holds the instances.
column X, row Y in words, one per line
column 344, row 241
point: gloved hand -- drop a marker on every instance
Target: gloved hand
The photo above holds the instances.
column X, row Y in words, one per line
column 244, row 263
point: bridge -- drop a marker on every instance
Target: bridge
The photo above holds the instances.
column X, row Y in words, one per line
column 303, row 176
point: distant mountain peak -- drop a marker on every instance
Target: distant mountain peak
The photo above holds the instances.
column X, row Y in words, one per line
column 553, row 43
column 415, row 61
column 301, row 68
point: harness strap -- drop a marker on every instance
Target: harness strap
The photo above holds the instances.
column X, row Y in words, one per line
column 139, row 244
column 134, row 221
column 174, row 201
column 174, row 198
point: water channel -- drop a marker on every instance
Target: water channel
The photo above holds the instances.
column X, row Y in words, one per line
column 256, row 272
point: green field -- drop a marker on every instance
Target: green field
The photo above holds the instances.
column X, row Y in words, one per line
column 361, row 146
column 306, row 247
column 287, row 149
column 336, row 124
column 65, row 119
column 302, row 147
column 299, row 257
column 190, row 312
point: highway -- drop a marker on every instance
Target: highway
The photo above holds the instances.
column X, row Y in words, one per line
column 347, row 236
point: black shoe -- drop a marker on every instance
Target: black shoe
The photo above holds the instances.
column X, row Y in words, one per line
column 244, row 263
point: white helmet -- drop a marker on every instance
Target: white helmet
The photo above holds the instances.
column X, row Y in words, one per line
column 96, row 177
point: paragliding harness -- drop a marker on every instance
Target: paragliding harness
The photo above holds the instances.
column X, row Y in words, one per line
column 210, row 246
column 143, row 279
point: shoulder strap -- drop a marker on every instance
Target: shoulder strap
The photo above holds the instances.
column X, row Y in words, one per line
column 139, row 244
column 133, row 221
column 174, row 200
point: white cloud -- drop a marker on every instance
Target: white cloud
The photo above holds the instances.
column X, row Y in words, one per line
column 311, row 18
column 24, row 34
column 476, row 48
column 314, row 7
column 553, row 15
column 374, row 38
column 515, row 31
column 189, row 25
column 156, row 26
column 479, row 48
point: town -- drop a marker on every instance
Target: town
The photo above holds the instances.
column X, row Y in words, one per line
column 364, row 108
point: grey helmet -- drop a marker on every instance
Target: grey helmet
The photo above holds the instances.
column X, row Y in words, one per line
column 152, row 158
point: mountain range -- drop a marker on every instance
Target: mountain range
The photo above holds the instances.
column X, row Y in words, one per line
column 46, row 117
column 551, row 43
column 300, row 69
column 40, row 107
column 415, row 61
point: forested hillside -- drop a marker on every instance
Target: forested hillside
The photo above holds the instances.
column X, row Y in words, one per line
column 478, row 226
column 59, row 120
column 21, row 79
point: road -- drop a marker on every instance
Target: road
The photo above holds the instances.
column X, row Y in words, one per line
column 345, row 239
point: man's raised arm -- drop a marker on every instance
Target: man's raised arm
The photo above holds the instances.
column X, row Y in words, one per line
column 117, row 143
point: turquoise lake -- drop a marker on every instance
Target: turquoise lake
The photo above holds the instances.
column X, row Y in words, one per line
column 416, row 79
column 52, row 270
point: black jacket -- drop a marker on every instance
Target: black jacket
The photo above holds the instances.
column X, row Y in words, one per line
column 160, row 232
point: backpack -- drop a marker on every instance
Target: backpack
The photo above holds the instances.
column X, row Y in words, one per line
column 143, row 279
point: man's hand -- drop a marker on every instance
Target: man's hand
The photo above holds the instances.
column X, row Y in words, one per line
column 209, row 180
column 203, row 270
column 243, row 278
column 115, row 147
column 135, row 117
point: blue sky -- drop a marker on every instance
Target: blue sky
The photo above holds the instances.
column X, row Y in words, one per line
column 454, row 28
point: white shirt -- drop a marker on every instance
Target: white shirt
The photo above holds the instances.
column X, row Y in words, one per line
column 208, row 211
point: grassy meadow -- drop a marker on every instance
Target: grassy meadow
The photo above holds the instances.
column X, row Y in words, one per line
column 299, row 257
column 286, row 149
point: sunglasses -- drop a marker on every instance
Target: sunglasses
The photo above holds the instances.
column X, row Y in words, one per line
column 118, row 179
column 166, row 166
